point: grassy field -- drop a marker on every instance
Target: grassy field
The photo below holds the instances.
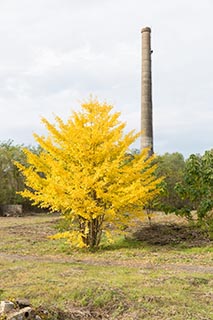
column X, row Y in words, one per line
column 160, row 271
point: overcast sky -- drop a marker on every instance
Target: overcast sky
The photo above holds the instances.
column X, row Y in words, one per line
column 55, row 53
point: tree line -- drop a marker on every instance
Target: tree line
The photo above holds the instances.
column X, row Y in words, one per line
column 187, row 186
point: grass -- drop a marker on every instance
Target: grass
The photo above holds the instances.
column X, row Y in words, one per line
column 135, row 278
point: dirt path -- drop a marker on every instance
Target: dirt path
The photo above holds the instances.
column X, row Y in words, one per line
column 104, row 263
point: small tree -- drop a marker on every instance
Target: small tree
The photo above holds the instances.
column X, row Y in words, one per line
column 85, row 172
column 197, row 187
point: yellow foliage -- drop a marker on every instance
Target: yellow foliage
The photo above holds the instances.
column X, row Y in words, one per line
column 84, row 172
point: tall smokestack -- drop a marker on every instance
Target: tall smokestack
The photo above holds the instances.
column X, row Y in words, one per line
column 146, row 91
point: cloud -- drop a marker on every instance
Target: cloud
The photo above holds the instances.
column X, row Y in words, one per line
column 56, row 53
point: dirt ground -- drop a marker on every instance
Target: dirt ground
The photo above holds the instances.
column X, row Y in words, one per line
column 162, row 235
column 162, row 231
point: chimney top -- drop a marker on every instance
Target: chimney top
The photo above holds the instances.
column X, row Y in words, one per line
column 146, row 29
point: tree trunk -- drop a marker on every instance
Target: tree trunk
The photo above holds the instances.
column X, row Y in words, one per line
column 92, row 238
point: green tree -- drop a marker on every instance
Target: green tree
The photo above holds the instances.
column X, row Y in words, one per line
column 11, row 179
column 197, row 187
column 85, row 173
column 171, row 167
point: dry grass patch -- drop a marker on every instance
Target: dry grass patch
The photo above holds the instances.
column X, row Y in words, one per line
column 135, row 278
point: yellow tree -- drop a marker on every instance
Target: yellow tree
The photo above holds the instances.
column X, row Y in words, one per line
column 85, row 173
